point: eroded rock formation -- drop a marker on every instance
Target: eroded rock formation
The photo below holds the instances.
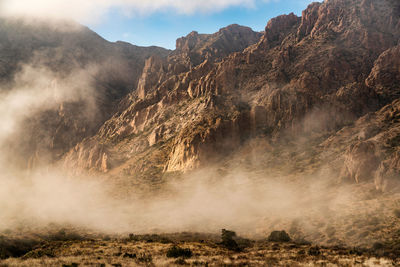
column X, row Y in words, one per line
column 330, row 76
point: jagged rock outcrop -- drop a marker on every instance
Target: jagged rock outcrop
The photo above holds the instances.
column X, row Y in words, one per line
column 371, row 148
column 196, row 48
column 153, row 73
column 278, row 28
column 91, row 156
column 192, row 51
column 167, row 83
column 385, row 76
column 387, row 176
column 308, row 76
column 361, row 161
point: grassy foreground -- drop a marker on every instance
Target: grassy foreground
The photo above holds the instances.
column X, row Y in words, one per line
column 188, row 249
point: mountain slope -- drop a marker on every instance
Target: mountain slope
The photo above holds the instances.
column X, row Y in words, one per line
column 306, row 76
column 88, row 74
column 295, row 128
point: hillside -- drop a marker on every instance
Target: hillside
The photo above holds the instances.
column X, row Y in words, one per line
column 83, row 74
column 306, row 77
column 295, row 128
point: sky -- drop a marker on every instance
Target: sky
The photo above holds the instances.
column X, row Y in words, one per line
column 156, row 22
column 162, row 28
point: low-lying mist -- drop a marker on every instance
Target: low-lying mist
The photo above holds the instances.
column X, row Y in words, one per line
column 203, row 201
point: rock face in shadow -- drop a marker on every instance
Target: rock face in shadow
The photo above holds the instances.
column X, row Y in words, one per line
column 107, row 71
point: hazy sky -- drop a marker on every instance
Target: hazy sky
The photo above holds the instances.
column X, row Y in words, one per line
column 156, row 22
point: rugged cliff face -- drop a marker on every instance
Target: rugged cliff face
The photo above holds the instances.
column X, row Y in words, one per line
column 87, row 74
column 294, row 128
column 150, row 116
column 309, row 76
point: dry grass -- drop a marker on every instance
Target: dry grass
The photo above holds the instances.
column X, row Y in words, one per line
column 130, row 252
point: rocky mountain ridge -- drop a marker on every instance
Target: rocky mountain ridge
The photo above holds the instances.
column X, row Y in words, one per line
column 304, row 78
column 298, row 126
column 309, row 75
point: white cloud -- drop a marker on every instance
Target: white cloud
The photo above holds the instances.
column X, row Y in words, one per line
column 94, row 10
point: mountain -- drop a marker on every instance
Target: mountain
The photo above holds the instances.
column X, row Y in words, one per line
column 65, row 50
column 306, row 78
column 311, row 101
column 148, row 112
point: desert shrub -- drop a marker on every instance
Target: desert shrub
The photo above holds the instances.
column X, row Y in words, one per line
column 390, row 249
column 64, row 235
column 356, row 251
column 144, row 258
column 301, row 252
column 176, row 252
column 271, row 261
column 149, row 238
column 228, row 241
column 180, row 261
column 199, row 263
column 233, row 242
column 10, row 248
column 39, row 253
column 314, row 251
column 129, row 255
column 279, row 236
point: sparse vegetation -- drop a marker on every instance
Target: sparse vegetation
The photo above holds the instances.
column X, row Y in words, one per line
column 176, row 252
column 149, row 238
column 15, row 248
column 65, row 235
column 190, row 251
column 144, row 258
column 228, row 240
column 279, row 236
column 181, row 261
column 314, row 251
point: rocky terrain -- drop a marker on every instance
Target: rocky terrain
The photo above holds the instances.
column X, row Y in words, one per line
column 311, row 103
column 61, row 50
column 310, row 75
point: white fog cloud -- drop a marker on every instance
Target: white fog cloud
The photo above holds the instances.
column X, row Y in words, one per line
column 91, row 11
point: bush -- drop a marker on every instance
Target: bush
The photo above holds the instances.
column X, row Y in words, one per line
column 314, row 251
column 144, row 258
column 13, row 248
column 149, row 238
column 176, row 252
column 279, row 236
column 228, row 241
column 181, row 261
